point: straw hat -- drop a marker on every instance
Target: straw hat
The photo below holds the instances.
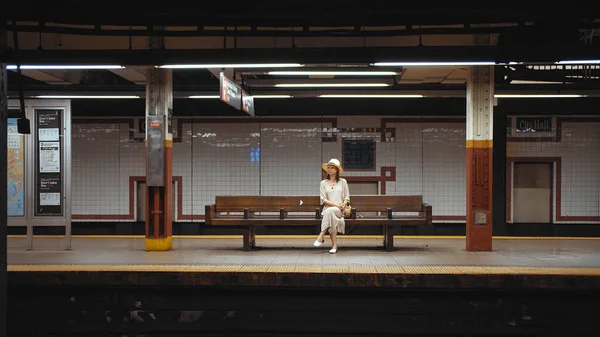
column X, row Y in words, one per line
column 335, row 163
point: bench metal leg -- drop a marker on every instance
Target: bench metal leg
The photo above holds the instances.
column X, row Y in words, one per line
column 388, row 238
column 252, row 237
column 249, row 238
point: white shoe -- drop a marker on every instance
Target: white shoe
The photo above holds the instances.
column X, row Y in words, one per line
column 333, row 251
column 318, row 243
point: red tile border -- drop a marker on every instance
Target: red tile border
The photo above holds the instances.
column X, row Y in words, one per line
column 130, row 216
column 557, row 182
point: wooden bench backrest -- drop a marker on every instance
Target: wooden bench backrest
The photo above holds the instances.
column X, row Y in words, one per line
column 264, row 203
column 380, row 203
column 362, row 203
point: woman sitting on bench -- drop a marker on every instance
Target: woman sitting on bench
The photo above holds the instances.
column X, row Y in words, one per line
column 335, row 195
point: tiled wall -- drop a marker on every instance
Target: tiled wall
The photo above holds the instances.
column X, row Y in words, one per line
column 279, row 157
column 576, row 198
column 103, row 159
column 430, row 161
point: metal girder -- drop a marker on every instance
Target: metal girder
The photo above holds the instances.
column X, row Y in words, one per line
column 253, row 32
column 54, row 76
column 136, row 76
column 285, row 14
column 294, row 31
column 334, row 55
column 428, row 90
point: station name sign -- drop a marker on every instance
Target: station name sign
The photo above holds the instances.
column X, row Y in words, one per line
column 533, row 124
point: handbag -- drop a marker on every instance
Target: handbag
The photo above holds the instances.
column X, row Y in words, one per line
column 347, row 211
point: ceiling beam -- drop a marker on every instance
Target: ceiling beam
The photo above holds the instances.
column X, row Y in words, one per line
column 333, row 55
column 55, row 77
column 427, row 90
column 298, row 31
column 136, row 76
column 329, row 13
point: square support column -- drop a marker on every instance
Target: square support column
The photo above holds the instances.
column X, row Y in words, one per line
column 480, row 105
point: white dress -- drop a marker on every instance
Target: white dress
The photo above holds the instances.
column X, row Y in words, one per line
column 333, row 219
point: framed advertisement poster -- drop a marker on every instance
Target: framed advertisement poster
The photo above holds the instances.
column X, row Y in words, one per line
column 49, row 166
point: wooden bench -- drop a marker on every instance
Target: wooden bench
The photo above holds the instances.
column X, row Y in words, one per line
column 249, row 212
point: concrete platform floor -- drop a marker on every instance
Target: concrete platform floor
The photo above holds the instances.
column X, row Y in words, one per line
column 297, row 252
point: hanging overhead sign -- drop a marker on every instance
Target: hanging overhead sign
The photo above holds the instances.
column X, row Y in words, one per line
column 230, row 92
column 247, row 103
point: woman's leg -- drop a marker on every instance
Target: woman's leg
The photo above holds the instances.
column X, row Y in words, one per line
column 321, row 236
column 333, row 236
column 329, row 219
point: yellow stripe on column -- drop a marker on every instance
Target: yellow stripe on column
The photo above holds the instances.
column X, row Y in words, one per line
column 480, row 144
column 168, row 143
column 159, row 244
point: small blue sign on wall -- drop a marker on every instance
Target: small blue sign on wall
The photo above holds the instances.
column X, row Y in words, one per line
column 254, row 154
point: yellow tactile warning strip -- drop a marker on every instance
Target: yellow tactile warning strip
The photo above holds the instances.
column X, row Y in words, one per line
column 438, row 270
column 403, row 237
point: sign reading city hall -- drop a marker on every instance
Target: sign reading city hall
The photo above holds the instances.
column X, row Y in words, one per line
column 534, row 124
column 532, row 127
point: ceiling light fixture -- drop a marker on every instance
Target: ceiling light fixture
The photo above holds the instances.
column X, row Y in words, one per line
column 332, row 73
column 535, row 82
column 233, row 65
column 372, row 96
column 271, row 96
column 86, row 96
column 578, row 62
column 255, row 96
column 424, row 64
column 63, row 67
column 333, row 85
column 537, row 96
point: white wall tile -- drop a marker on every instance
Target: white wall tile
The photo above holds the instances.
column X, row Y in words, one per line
column 219, row 159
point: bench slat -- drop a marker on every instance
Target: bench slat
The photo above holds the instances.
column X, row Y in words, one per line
column 264, row 203
column 307, row 222
column 398, row 203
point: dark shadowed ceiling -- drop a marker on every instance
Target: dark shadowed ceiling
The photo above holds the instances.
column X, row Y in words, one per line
column 322, row 35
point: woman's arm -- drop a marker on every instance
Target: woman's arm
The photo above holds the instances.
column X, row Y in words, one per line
column 345, row 192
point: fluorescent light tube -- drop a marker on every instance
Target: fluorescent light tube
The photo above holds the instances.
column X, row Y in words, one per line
column 395, row 64
column 62, row 67
column 333, row 73
column 256, row 96
column 324, row 85
column 84, row 96
column 536, row 96
column 271, row 96
column 533, row 82
column 372, row 96
column 249, row 65
column 578, row 62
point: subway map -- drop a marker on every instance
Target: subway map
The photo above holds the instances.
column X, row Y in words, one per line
column 15, row 168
